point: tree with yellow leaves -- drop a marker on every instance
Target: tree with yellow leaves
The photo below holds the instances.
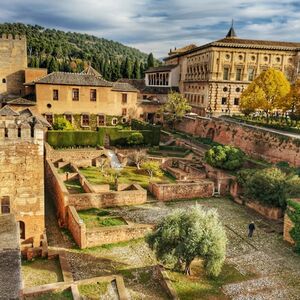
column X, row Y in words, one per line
column 265, row 92
column 291, row 102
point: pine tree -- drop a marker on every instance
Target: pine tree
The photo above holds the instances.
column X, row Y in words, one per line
column 150, row 61
column 128, row 68
column 53, row 65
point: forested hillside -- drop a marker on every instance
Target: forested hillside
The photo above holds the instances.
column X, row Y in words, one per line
column 72, row 52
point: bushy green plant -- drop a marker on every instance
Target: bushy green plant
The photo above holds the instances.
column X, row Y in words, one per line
column 188, row 234
column 136, row 138
column 152, row 168
column 294, row 215
column 268, row 186
column 62, row 124
column 225, row 157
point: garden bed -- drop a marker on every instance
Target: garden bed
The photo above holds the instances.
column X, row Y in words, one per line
column 100, row 218
column 74, row 187
column 65, row 294
column 41, row 271
column 128, row 175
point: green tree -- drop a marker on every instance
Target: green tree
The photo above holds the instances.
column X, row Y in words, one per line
column 186, row 235
column 136, row 70
column 136, row 138
column 53, row 65
column 175, row 108
column 225, row 157
column 265, row 92
column 62, row 124
column 150, row 61
column 152, row 168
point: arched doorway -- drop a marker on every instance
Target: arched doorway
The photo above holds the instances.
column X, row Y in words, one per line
column 22, row 230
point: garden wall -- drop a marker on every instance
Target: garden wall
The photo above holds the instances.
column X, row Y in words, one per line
column 116, row 234
column 273, row 213
column 108, row 199
column 76, row 227
column 184, row 190
column 254, row 141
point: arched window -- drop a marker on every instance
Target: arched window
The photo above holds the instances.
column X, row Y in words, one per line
column 3, row 80
column 22, row 230
column 5, row 205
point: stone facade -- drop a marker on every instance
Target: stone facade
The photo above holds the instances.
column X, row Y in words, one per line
column 254, row 141
column 213, row 76
column 22, row 177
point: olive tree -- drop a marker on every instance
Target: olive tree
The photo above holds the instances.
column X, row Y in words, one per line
column 188, row 234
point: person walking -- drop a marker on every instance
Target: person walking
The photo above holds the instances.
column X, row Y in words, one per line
column 251, row 229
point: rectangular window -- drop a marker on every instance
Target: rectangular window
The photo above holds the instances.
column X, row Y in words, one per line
column 124, row 98
column 236, row 101
column 49, row 119
column 238, row 75
column 55, row 95
column 68, row 117
column 75, row 94
column 5, row 205
column 224, row 101
column 226, row 73
column 85, row 120
column 101, row 120
column 124, row 111
column 250, row 74
column 93, row 95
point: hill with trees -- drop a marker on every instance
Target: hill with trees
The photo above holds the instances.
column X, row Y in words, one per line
column 57, row 50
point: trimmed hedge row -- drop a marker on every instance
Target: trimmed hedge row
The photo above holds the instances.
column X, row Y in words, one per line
column 87, row 138
column 150, row 132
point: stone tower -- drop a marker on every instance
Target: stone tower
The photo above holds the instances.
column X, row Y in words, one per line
column 13, row 62
column 22, row 173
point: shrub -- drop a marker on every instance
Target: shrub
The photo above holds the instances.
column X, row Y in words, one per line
column 268, row 186
column 188, row 234
column 294, row 214
column 62, row 124
column 152, row 167
column 136, row 138
column 225, row 157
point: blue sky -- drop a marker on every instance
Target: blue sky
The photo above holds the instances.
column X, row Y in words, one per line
column 158, row 25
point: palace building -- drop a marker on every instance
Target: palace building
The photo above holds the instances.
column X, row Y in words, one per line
column 213, row 76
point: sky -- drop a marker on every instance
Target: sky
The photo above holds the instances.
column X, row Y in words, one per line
column 159, row 25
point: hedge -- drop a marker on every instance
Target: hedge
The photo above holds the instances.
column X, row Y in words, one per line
column 294, row 214
column 150, row 132
column 87, row 138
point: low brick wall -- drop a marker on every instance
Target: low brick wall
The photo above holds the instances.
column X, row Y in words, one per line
column 108, row 199
column 116, row 234
column 273, row 213
column 76, row 227
column 57, row 190
column 184, row 190
column 79, row 157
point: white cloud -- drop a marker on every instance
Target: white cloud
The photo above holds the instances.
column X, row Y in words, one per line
column 158, row 25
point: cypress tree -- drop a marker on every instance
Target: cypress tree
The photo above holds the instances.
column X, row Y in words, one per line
column 136, row 74
column 150, row 61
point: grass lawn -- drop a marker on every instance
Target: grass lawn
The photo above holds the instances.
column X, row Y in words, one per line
column 93, row 290
column 41, row 271
column 99, row 218
column 74, row 186
column 56, row 295
column 128, row 175
column 200, row 286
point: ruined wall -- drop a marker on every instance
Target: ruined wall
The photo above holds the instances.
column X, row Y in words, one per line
column 167, row 192
column 255, row 142
column 22, row 178
column 116, row 234
column 13, row 61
